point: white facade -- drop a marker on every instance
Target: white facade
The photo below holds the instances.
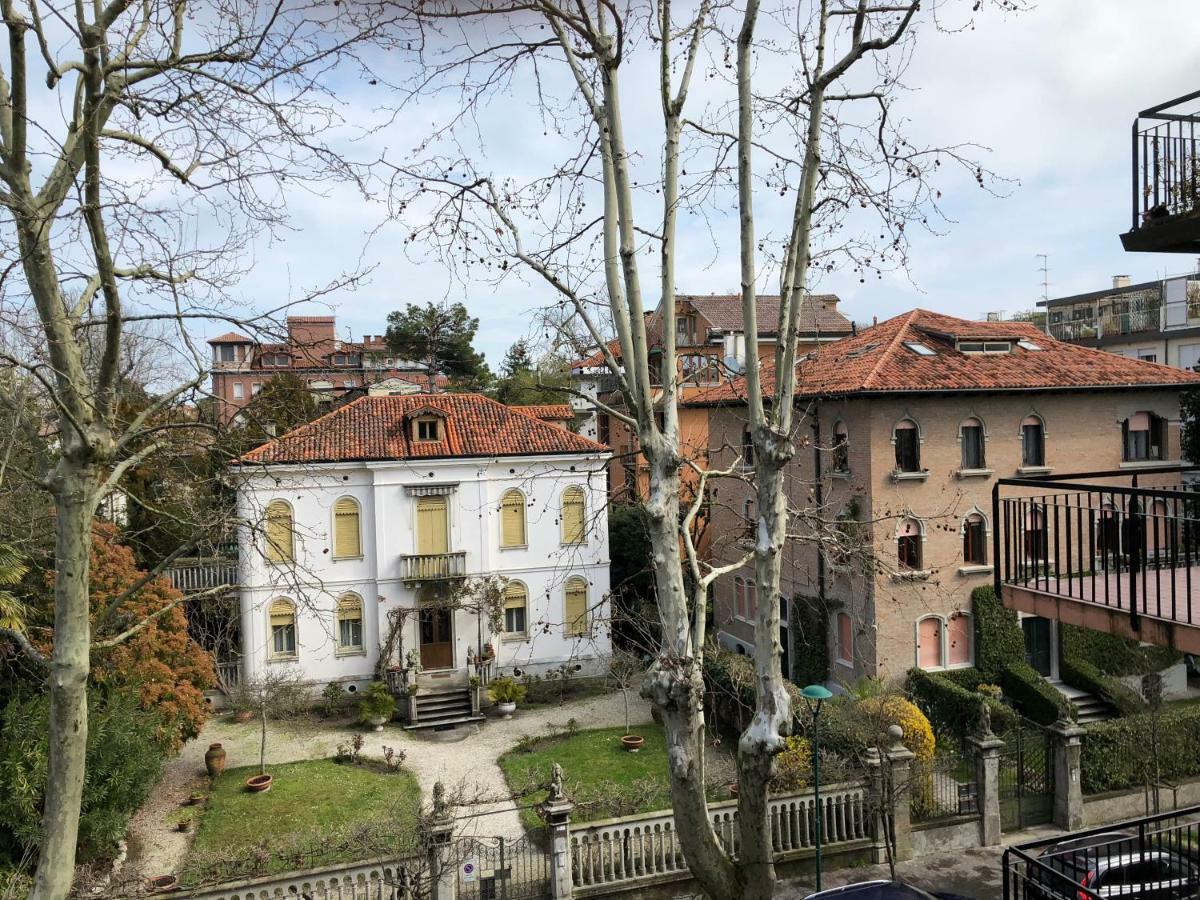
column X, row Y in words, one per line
column 387, row 494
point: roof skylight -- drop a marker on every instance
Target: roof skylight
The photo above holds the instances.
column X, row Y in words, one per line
column 1028, row 345
column 920, row 349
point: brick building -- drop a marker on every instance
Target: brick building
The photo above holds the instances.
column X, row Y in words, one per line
column 314, row 353
column 902, row 431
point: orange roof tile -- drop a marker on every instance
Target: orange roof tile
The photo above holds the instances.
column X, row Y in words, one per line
column 549, row 412
column 375, row 428
column 231, row 337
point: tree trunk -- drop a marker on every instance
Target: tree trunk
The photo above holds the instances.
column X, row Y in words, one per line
column 262, row 744
column 74, row 487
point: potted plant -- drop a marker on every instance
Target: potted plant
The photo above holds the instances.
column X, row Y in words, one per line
column 377, row 705
column 214, row 760
column 506, row 694
column 627, row 672
column 413, row 688
column 196, row 798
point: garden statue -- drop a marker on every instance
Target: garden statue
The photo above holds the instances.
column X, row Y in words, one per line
column 441, row 807
column 556, row 793
column 985, row 719
column 413, row 661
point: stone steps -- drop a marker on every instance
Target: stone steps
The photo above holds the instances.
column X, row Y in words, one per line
column 443, row 707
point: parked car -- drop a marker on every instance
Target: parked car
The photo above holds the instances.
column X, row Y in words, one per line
column 882, row 890
column 1112, row 864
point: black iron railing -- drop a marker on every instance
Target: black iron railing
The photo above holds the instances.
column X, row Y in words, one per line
column 1155, row 856
column 1166, row 162
column 1129, row 547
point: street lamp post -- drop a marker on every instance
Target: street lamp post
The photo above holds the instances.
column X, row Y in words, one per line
column 814, row 696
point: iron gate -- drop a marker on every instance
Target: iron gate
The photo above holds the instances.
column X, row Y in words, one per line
column 1026, row 777
column 500, row 868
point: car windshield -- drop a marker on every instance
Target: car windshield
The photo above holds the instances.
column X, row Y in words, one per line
column 874, row 890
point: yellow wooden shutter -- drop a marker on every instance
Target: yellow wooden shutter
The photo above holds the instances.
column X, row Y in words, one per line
column 431, row 526
column 575, row 608
column 279, row 532
column 282, row 613
column 512, row 519
column 573, row 516
column 347, row 541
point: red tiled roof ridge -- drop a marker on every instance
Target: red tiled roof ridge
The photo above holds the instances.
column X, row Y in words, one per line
column 896, row 338
column 231, row 337
column 545, row 410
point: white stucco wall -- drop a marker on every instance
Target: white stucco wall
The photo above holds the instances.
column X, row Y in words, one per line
column 316, row 580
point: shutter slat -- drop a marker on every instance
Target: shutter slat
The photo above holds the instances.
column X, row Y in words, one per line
column 347, row 540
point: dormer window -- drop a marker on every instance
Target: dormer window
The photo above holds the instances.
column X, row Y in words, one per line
column 427, row 428
column 985, row 346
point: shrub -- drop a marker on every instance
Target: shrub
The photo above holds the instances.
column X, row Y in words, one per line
column 952, row 707
column 126, row 746
column 1112, row 654
column 332, row 697
column 999, row 641
column 505, row 690
column 1082, row 674
column 1136, row 750
column 793, row 767
column 1039, row 700
column 730, row 678
column 850, row 726
column 377, row 702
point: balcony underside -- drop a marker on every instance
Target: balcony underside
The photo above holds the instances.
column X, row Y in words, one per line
column 1176, row 234
column 1068, row 601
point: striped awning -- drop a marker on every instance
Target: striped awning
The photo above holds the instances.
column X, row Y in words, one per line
column 430, row 490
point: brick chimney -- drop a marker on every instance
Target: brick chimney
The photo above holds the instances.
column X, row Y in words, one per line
column 1121, row 281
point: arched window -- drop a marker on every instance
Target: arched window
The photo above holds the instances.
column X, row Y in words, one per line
column 1033, row 442
column 516, row 607
column 929, row 643
column 845, row 639
column 958, row 640
column 573, row 516
column 971, row 438
column 281, row 536
column 974, row 534
column 512, row 519
column 908, row 544
column 283, row 629
column 350, row 623
column 347, row 532
column 1143, row 437
column 908, row 446
column 841, row 448
column 575, row 606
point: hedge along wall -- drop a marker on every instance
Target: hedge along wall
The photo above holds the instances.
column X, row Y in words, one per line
column 1138, row 750
column 952, row 706
column 1112, row 654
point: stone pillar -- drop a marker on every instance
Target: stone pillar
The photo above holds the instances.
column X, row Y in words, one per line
column 987, row 785
column 476, row 689
column 878, row 806
column 410, row 706
column 443, row 868
column 900, row 770
column 1068, row 792
column 557, row 812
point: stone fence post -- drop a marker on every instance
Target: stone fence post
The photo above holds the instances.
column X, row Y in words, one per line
column 1068, row 792
column 878, row 806
column 557, row 811
column 900, row 774
column 443, row 868
column 987, row 749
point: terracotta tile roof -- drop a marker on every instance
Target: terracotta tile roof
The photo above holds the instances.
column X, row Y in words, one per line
column 724, row 312
column 377, row 428
column 877, row 361
column 231, row 337
column 597, row 359
column 547, row 412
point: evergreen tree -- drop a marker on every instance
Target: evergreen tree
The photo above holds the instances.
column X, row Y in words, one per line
column 441, row 336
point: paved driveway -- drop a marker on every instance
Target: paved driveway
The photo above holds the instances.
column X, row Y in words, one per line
column 971, row 873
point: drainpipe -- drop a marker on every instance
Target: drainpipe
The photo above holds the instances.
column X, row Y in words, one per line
column 820, row 498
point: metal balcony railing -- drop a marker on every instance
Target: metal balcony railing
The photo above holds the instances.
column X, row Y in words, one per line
column 195, row 575
column 433, row 566
column 1129, row 548
column 1165, row 177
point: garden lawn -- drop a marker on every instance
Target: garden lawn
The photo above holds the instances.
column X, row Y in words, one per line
column 313, row 803
column 602, row 778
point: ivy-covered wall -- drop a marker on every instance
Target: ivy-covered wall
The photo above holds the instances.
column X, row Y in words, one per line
column 809, row 630
column 999, row 641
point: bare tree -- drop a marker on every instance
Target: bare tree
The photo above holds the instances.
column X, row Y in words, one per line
column 810, row 95
column 141, row 146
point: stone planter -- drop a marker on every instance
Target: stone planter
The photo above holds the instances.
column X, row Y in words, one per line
column 506, row 710
column 214, row 760
column 632, row 742
column 258, row 784
column 377, row 722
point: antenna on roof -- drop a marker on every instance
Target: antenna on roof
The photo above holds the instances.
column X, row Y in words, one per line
column 1045, row 270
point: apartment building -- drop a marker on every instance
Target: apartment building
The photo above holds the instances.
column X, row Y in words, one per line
column 314, row 353
column 389, row 504
column 903, row 429
column 1156, row 321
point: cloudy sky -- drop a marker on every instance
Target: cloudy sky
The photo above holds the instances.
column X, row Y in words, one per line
column 1051, row 92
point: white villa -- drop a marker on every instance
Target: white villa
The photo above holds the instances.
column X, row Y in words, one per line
column 391, row 503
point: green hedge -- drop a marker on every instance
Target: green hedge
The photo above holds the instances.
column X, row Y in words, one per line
column 1082, row 674
column 810, row 642
column 1134, row 751
column 1037, row 698
column 999, row 641
column 1112, row 654
column 953, row 708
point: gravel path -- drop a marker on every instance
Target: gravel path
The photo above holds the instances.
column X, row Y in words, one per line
column 467, row 767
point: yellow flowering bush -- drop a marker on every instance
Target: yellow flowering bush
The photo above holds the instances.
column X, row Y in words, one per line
column 793, row 766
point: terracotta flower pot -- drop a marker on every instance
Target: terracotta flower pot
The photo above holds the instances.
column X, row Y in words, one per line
column 214, row 760
column 163, row 884
column 258, row 784
column 632, row 742
column 733, row 790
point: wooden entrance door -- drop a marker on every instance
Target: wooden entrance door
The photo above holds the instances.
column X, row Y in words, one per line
column 437, row 641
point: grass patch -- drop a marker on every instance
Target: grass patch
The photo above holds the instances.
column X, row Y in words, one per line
column 317, row 812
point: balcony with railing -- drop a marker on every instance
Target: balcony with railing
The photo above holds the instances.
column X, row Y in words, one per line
column 1116, row 551
column 203, row 574
column 1166, row 178
column 417, row 567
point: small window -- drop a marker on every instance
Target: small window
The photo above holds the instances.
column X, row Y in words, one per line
column 997, row 347
column 512, row 519
column 747, row 449
column 575, row 607
column 739, row 597
column 279, row 532
column 427, row 428
column 841, row 448
column 1143, row 436
column 239, row 390
column 516, row 607
column 574, row 515
column 845, row 639
column 920, row 349
column 749, row 518
column 226, row 353
column 908, row 446
column 975, row 540
column 908, row 545
column 751, row 598
column 350, row 622
column 971, row 433
column 970, row 346
column 255, row 389
column 283, row 629
column 1033, row 442
column 929, row 643
column 1028, row 345
column 347, row 535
